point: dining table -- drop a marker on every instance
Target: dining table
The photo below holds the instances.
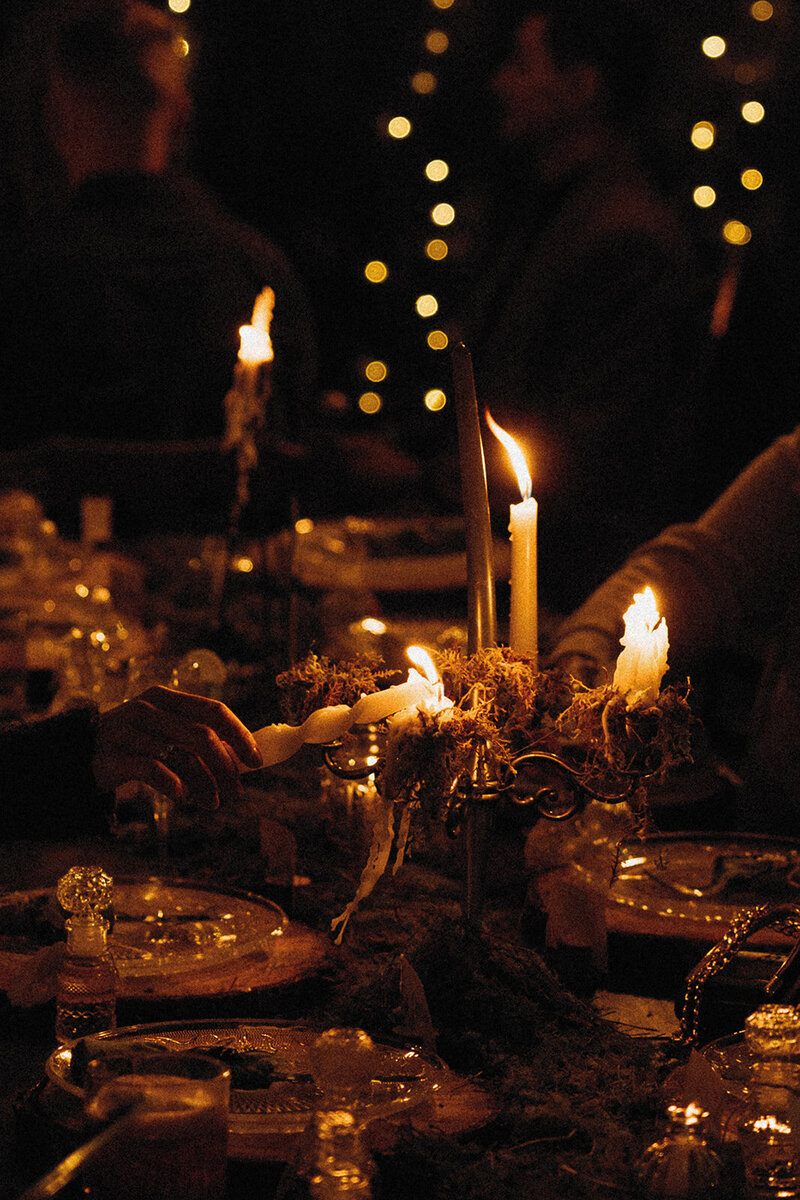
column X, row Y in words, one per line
column 549, row 1091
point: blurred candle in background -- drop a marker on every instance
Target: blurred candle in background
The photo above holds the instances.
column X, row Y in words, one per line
column 523, row 622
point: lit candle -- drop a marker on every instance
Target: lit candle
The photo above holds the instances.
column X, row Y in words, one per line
column 255, row 343
column 523, row 624
column 643, row 661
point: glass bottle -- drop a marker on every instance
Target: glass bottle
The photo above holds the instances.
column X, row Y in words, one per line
column 682, row 1165
column 86, row 995
column 334, row 1162
column 769, row 1123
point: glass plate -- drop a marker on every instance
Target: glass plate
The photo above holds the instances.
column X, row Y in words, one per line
column 699, row 877
column 403, row 1078
column 167, row 926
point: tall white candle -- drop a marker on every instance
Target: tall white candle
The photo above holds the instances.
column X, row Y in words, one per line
column 523, row 619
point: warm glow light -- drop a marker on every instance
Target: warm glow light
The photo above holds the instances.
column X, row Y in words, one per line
column 370, row 403
column 436, row 41
column 255, row 345
column 179, row 6
column 244, row 564
column 427, row 306
column 736, row 233
column 376, row 271
column 181, row 47
column 752, row 179
column 704, row 196
column 753, row 112
column 399, row 127
column 304, row 525
column 438, row 339
column 515, row 454
column 437, row 170
column 437, row 249
column 762, row 10
column 373, row 625
column 703, row 134
column 714, row 47
column 442, row 3
column 376, row 371
column 435, row 400
column 423, row 83
column 81, row 590
column 423, row 660
column 443, row 214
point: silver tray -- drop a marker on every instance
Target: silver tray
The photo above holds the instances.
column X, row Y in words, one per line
column 680, row 878
column 260, row 1118
column 168, row 926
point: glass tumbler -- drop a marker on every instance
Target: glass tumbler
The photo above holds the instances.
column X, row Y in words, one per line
column 175, row 1145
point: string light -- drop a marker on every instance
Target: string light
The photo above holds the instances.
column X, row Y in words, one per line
column 399, row 127
column 437, row 170
column 753, row 112
column 376, row 371
column 370, row 403
column 752, row 179
column 704, row 196
column 703, row 134
column 423, row 83
column 376, row 271
column 438, row 340
column 736, row 233
column 436, row 41
column 437, row 249
column 443, row 214
column 427, row 305
column 714, row 47
column 435, row 400
column 762, row 10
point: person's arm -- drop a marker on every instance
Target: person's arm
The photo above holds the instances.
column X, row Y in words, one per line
column 722, row 581
column 58, row 776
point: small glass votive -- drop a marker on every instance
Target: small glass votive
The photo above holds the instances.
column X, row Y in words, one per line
column 175, row 1144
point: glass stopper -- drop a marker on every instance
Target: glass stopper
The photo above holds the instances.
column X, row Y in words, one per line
column 85, row 891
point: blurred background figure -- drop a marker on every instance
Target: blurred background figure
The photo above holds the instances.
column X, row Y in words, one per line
column 124, row 284
column 587, row 316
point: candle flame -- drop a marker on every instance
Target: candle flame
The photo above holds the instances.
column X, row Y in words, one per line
column 423, row 660
column 515, row 455
column 256, row 343
column 642, row 616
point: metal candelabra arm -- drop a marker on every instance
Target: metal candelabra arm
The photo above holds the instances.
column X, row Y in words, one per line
column 559, row 791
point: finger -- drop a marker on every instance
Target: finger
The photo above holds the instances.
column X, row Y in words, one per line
column 111, row 770
column 201, row 788
column 204, row 711
column 214, row 758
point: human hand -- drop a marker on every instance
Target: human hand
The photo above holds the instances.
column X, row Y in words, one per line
column 182, row 745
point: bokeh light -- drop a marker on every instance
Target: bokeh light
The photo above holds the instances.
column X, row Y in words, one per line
column 736, row 233
column 376, row 271
column 762, row 10
column 443, row 214
column 753, row 112
column 179, row 6
column 427, row 305
column 714, row 47
column 423, row 83
column 442, row 3
column 436, row 41
column 181, row 47
column 437, row 170
column 376, row 371
column 752, row 179
column 438, row 339
column 703, row 134
column 435, row 400
column 370, row 403
column 704, row 196
column 437, row 249
column 399, row 127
